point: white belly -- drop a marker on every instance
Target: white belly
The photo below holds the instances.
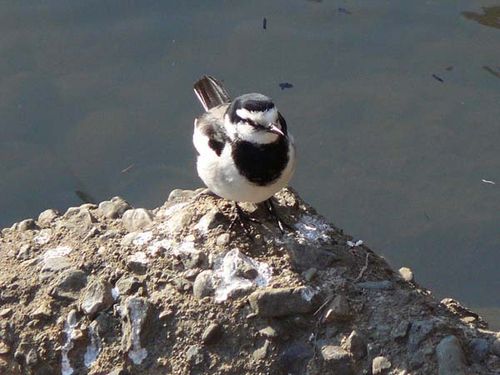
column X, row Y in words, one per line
column 221, row 176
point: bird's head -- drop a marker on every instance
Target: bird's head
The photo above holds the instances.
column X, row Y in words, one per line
column 254, row 118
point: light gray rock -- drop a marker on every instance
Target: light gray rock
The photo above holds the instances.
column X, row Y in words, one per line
column 53, row 265
column 113, row 208
column 268, row 332
column 406, row 274
column 356, row 345
column 128, row 285
column 47, row 217
column 78, row 219
column 380, row 365
column 25, row 252
column 223, row 239
column 194, row 355
column 203, row 284
column 261, row 353
column 401, row 330
column 271, row 302
column 137, row 328
column 338, row 361
column 450, row 357
column 28, row 224
column 137, row 219
column 181, row 195
column 96, row 297
column 69, row 284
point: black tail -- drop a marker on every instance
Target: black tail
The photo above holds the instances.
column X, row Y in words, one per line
column 210, row 92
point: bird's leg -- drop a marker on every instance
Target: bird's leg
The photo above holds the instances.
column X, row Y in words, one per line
column 242, row 217
column 273, row 212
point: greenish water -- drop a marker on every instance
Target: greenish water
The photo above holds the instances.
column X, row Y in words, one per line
column 395, row 107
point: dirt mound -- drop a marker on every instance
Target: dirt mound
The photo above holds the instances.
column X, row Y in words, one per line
column 188, row 288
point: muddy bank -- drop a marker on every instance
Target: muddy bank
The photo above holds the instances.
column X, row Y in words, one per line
column 186, row 289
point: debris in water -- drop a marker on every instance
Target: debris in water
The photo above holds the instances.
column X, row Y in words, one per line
column 436, row 77
column 285, row 85
column 488, row 182
column 264, row 23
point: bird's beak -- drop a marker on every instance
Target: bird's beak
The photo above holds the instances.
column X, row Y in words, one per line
column 273, row 128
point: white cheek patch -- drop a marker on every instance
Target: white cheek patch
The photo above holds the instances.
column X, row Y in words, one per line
column 266, row 117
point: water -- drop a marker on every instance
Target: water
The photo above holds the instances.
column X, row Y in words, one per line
column 395, row 107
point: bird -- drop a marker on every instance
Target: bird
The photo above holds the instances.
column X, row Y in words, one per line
column 245, row 151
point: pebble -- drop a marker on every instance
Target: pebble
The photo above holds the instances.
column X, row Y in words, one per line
column 401, row 330
column 223, row 239
column 212, row 219
column 5, row 312
column 338, row 310
column 268, row 332
column 450, row 357
column 47, row 217
column 338, row 360
column 25, row 252
column 128, row 285
column 380, row 364
column 28, row 224
column 211, row 334
column 96, row 297
column 137, row 219
column 356, row 345
column 406, row 274
column 69, row 284
column 4, row 348
column 53, row 265
column 179, row 194
column 272, row 302
column 137, row 327
column 261, row 353
column 203, row 284
column 113, row 208
column 78, row 219
column 194, row 355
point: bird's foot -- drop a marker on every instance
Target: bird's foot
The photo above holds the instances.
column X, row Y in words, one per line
column 271, row 208
column 242, row 218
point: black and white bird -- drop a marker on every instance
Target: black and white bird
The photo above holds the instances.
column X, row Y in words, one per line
column 245, row 152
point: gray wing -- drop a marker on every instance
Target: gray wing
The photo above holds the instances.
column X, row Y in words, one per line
column 209, row 130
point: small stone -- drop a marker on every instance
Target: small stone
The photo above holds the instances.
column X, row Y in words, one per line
column 338, row 310
column 194, row 260
column 96, row 297
column 53, row 265
column 377, row 285
column 5, row 312
column 380, row 365
column 113, row 208
column 165, row 314
column 78, row 219
column 223, row 239
column 401, row 330
column 480, row 349
column 47, row 217
column 25, row 252
column 210, row 220
column 137, row 219
column 32, row 358
column 271, row 302
column 28, row 224
column 261, row 353
column 128, row 285
column 495, row 347
column 4, row 348
column 406, row 274
column 268, row 332
column 194, row 355
column 203, row 284
column 69, row 284
column 309, row 274
column 211, row 334
column 138, row 262
column 179, row 194
column 43, row 311
column 338, row 360
column 450, row 357
column 138, row 327
column 356, row 345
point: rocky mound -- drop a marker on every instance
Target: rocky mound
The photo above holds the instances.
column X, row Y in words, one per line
column 186, row 289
